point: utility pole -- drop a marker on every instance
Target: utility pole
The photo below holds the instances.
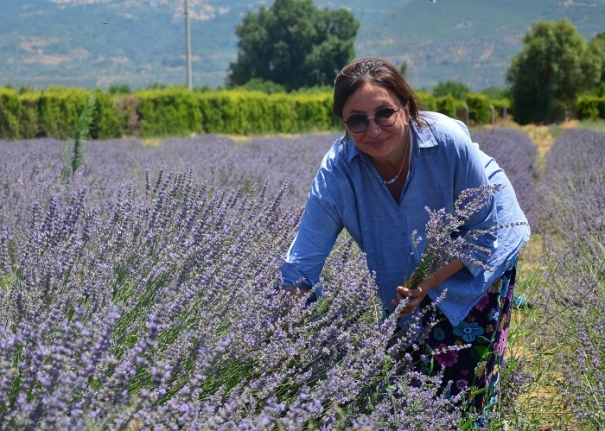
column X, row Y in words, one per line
column 188, row 45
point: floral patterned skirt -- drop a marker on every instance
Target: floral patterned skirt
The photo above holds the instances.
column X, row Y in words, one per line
column 475, row 369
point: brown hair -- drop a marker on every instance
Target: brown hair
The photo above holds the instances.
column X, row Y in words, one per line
column 378, row 72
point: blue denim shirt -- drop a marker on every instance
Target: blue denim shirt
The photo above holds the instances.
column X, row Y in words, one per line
column 348, row 193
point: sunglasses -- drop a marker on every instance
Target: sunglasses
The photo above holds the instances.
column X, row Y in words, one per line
column 385, row 117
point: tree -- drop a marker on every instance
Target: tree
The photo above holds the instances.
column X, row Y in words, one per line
column 596, row 47
column 268, row 87
column 553, row 69
column 495, row 93
column 455, row 89
column 293, row 44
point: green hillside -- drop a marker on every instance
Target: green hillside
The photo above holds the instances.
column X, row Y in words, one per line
column 95, row 44
column 468, row 41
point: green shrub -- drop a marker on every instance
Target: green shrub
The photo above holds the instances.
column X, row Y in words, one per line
column 267, row 87
column 313, row 112
column 166, row 111
column 590, row 107
column 59, row 111
column 478, row 108
column 233, row 108
column 106, row 122
column 253, row 112
column 601, row 107
column 258, row 112
column 334, row 122
column 427, row 101
column 170, row 111
column 29, row 118
column 282, row 113
column 213, row 121
column 9, row 113
column 119, row 89
column 446, row 105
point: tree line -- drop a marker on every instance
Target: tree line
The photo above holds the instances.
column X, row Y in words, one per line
column 293, row 44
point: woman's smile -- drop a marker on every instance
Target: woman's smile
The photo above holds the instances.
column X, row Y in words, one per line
column 376, row 143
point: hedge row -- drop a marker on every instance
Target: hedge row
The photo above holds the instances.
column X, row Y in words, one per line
column 476, row 109
column 176, row 111
column 591, row 107
column 55, row 113
column 162, row 112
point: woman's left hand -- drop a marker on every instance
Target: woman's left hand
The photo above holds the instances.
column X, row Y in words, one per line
column 413, row 296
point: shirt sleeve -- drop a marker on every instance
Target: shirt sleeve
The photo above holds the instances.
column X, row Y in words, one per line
column 319, row 228
column 472, row 174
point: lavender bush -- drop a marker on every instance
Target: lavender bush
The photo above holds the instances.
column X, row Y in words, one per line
column 516, row 154
column 572, row 200
column 143, row 294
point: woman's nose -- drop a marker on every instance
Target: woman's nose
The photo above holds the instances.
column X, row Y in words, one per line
column 373, row 127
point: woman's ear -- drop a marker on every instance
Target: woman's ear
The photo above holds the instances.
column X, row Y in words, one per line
column 406, row 111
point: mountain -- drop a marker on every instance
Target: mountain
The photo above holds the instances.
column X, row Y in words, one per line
column 97, row 43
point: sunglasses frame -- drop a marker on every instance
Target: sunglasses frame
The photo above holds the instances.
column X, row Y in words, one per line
column 373, row 117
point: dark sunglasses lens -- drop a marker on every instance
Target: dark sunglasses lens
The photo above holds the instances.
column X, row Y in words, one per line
column 357, row 123
column 385, row 117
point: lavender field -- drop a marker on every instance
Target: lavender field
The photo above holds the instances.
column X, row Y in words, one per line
column 143, row 293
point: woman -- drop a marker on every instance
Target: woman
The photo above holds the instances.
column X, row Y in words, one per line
column 376, row 182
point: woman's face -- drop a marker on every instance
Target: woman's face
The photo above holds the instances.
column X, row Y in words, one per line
column 384, row 144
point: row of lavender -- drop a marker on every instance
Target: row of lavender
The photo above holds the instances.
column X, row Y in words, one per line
column 572, row 202
column 566, row 208
column 144, row 293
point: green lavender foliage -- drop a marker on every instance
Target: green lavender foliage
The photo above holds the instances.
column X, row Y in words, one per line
column 71, row 163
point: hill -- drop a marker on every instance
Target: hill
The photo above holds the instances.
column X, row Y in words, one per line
column 96, row 43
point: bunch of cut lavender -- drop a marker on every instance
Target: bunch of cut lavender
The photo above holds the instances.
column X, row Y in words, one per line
column 444, row 243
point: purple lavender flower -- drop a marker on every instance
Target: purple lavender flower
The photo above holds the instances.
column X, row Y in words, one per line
column 144, row 294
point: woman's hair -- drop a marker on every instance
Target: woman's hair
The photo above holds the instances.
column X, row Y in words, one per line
column 378, row 72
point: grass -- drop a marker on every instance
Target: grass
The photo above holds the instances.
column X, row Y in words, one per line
column 596, row 125
column 540, row 405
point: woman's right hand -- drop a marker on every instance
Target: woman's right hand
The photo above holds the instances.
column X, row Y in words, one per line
column 413, row 297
